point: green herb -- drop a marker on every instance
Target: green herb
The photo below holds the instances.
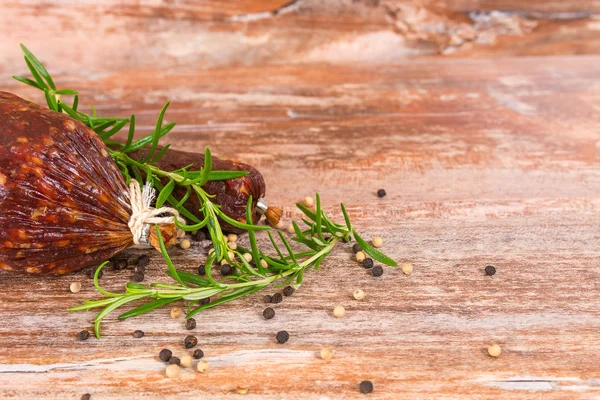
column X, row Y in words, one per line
column 285, row 267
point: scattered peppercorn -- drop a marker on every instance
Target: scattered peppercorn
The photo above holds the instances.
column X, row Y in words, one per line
column 358, row 294
column 326, row 353
column 490, row 270
column 86, row 396
column 186, row 361
column 282, row 337
column 226, row 270
column 165, row 355
column 276, row 298
column 377, row 270
column 202, row 270
column 75, row 287
column 204, row 301
column 366, row 387
column 360, row 256
column 190, row 324
column 198, row 354
column 377, row 241
column 83, row 335
column 138, row 276
column 172, row 371
column 494, row 350
column 138, row 334
column 232, row 237
column 288, row 291
column 185, row 244
column 381, row 193
column 268, row 298
column 202, row 366
column 176, row 312
column 143, row 260
column 339, row 311
column 174, row 360
column 268, row 313
column 367, row 263
column 407, row 268
column 120, row 264
column 356, row 248
column 140, row 268
column 190, row 341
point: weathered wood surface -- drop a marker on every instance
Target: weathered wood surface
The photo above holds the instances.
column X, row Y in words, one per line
column 106, row 35
column 484, row 162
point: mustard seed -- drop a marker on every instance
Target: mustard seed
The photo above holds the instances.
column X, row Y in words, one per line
column 185, row 244
column 187, row 361
column 276, row 298
column 190, row 341
column 358, row 294
column 264, row 264
column 241, row 390
column 326, row 353
column 232, row 237
column 248, row 257
column 407, row 268
column 381, row 193
column 75, row 287
column 202, row 366
column 288, row 291
column 490, row 270
column 268, row 313
column 308, row 201
column 367, row 263
column 377, row 271
column 232, row 245
column 356, row 248
column 172, row 371
column 165, row 355
column 377, row 241
column 138, row 334
column 290, row 228
column 494, row 350
column 83, row 335
column 190, row 324
column 366, row 387
column 360, row 256
column 282, row 337
column 174, row 360
column 198, row 354
column 339, row 311
column 176, row 312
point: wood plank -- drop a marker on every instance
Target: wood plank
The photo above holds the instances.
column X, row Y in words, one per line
column 484, row 162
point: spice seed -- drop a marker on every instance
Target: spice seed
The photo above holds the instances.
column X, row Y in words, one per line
column 172, row 371
column 232, row 245
column 326, row 353
column 232, row 237
column 86, row 396
column 185, row 244
column 138, row 276
column 288, row 291
column 204, row 301
column 165, row 355
column 407, row 268
column 248, row 257
column 339, row 311
column 358, row 294
column 494, row 350
column 174, row 360
column 268, row 313
column 264, row 264
column 143, row 260
column 356, row 248
column 267, row 298
column 241, row 390
column 186, row 361
column 138, row 334
column 120, row 264
column 276, row 298
column 377, row 270
column 367, row 263
column 198, row 354
column 202, row 270
column 360, row 256
column 226, row 270
column 366, row 387
column 75, row 287
column 290, row 228
column 176, row 312
column 202, row 366
column 377, row 241
column 83, row 335
column 490, row 270
column 308, row 201
column 381, row 193
column 200, row 236
column 190, row 324
column 190, row 341
column 282, row 337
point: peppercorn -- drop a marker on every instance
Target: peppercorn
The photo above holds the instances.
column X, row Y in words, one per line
column 226, row 270
column 75, row 287
column 366, row 387
column 83, row 335
column 165, row 355
column 202, row 366
column 360, row 256
column 120, row 264
column 268, row 313
column 407, row 268
column 358, row 294
column 494, row 350
column 176, row 312
column 139, row 268
column 490, row 270
column 268, row 298
column 202, row 270
column 86, row 396
column 288, row 291
column 185, row 244
column 200, row 236
column 138, row 276
column 282, row 337
column 143, row 260
column 381, row 193
column 367, row 263
column 190, row 341
column 377, row 241
column 190, row 324
column 356, row 248
column 276, row 298
column 186, row 361
column 174, row 360
column 138, row 334
column 204, row 301
column 198, row 354
column 377, row 270
column 172, row 371
column 339, row 311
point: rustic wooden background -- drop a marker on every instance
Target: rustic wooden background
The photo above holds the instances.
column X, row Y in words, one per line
column 480, row 119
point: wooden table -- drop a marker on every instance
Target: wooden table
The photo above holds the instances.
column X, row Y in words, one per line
column 484, row 163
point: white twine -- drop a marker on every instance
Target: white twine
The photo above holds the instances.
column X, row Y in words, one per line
column 143, row 213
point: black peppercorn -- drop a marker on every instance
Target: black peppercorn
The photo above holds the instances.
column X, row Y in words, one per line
column 226, row 270
column 190, row 324
column 356, row 248
column 120, row 264
column 138, row 334
column 198, row 354
column 165, row 355
column 83, row 335
column 282, row 337
column 86, row 396
column 268, row 313
column 143, row 260
column 140, row 268
column 276, row 298
column 377, row 270
column 138, row 276
column 381, row 193
column 190, row 341
column 267, row 298
column 490, row 270
column 205, row 301
column 174, row 360
column 202, row 270
column 288, row 291
column 200, row 236
column 366, row 387
column 367, row 263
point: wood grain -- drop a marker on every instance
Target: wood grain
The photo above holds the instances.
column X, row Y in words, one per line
column 484, row 162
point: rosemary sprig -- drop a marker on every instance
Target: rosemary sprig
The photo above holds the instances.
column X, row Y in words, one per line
column 286, row 267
